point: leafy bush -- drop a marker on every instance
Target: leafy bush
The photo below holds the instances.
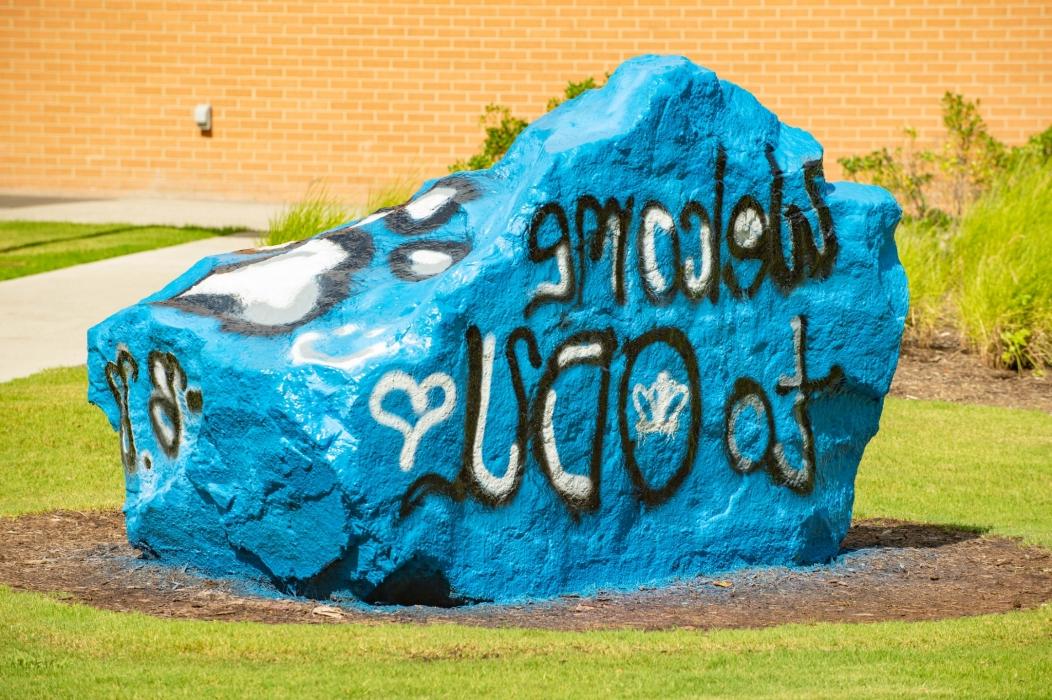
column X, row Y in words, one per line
column 976, row 240
column 970, row 158
column 502, row 128
column 929, row 182
column 990, row 275
column 1036, row 152
column 1003, row 256
column 572, row 90
column 904, row 172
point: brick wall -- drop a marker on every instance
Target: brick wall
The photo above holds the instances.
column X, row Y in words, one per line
column 96, row 96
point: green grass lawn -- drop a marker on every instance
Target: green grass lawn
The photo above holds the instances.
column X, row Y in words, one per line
column 29, row 247
column 974, row 466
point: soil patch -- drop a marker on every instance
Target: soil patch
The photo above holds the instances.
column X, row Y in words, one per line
column 944, row 372
column 888, row 570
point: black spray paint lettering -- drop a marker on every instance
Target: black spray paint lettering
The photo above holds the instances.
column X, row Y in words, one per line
column 659, row 408
column 676, row 340
column 119, row 375
column 749, row 394
column 753, row 235
column 475, row 478
column 535, row 417
column 168, row 381
column 563, row 289
column 700, row 279
column 166, row 414
column 658, row 286
column 611, row 221
column 587, row 348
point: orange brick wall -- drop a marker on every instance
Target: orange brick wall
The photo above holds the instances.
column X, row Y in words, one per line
column 97, row 95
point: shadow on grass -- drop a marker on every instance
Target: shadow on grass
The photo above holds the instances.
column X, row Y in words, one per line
column 894, row 534
column 112, row 232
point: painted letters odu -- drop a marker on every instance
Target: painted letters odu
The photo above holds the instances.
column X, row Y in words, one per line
column 651, row 342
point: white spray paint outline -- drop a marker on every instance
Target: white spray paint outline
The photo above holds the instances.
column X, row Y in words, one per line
column 666, row 398
column 574, row 486
column 427, row 418
column 655, row 218
column 492, row 484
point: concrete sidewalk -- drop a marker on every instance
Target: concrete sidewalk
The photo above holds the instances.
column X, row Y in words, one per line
column 44, row 319
column 253, row 216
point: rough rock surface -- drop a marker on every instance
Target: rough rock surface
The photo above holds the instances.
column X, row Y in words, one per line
column 650, row 343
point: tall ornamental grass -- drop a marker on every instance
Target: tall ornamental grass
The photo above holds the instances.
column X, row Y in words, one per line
column 1003, row 259
column 924, row 252
column 989, row 276
column 320, row 211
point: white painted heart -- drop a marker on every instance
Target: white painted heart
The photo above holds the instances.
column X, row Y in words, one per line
column 426, row 416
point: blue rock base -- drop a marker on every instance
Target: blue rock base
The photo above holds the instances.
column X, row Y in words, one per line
column 651, row 342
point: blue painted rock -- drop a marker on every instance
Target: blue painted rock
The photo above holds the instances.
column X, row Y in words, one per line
column 652, row 342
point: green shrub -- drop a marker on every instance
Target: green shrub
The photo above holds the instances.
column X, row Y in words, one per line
column 965, row 164
column 1037, row 151
column 970, row 159
column 1003, row 256
column 986, row 266
column 905, row 172
column 990, row 275
column 316, row 212
column 572, row 90
column 502, row 128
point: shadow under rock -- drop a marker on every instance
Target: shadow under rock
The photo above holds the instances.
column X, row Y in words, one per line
column 902, row 535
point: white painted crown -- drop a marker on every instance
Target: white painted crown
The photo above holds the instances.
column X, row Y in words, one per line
column 659, row 405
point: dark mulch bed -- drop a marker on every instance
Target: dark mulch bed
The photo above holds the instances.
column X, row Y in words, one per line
column 889, row 570
column 944, row 371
